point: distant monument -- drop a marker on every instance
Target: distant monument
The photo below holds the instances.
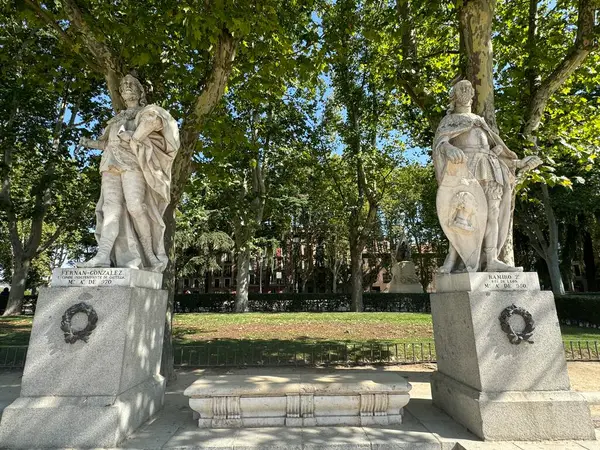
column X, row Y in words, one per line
column 501, row 364
column 92, row 374
column 404, row 276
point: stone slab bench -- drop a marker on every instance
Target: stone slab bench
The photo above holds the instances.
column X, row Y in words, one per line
column 349, row 398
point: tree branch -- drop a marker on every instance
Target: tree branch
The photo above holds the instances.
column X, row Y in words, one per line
column 110, row 66
column 205, row 104
column 217, row 80
column 47, row 17
column 583, row 46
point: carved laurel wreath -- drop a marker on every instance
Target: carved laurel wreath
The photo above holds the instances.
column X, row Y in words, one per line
column 73, row 336
column 513, row 336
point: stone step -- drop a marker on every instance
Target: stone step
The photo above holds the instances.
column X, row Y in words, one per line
column 351, row 398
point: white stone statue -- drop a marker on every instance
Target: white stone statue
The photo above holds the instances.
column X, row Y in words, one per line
column 139, row 145
column 476, row 176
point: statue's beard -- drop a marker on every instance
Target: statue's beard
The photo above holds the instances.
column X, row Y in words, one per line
column 130, row 97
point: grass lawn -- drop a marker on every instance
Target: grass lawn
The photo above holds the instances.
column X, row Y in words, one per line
column 359, row 328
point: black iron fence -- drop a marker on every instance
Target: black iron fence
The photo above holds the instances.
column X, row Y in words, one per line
column 12, row 356
column 214, row 354
column 296, row 354
column 582, row 350
column 290, row 353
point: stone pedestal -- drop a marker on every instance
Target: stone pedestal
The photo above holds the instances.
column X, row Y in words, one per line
column 95, row 390
column 498, row 389
column 404, row 278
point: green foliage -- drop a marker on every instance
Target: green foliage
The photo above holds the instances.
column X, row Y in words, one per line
column 409, row 213
column 578, row 309
column 198, row 245
column 46, row 98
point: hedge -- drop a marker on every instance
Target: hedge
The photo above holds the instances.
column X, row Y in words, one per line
column 575, row 309
column 579, row 309
column 291, row 302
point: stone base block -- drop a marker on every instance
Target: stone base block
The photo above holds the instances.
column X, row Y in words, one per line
column 514, row 416
column 404, row 279
column 473, row 348
column 82, row 422
column 92, row 370
column 405, row 288
column 352, row 398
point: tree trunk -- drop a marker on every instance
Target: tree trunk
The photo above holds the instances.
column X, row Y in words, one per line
column 242, row 276
column 357, row 278
column 17, row 289
column 554, row 270
column 167, row 369
column 589, row 261
column 552, row 258
column 476, row 18
column 334, row 275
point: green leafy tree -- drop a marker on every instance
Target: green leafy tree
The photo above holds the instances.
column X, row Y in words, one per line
column 409, row 212
column 544, row 109
column 359, row 117
column 46, row 191
column 199, row 243
column 252, row 163
column 187, row 52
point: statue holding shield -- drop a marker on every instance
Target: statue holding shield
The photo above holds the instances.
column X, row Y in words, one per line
column 475, row 171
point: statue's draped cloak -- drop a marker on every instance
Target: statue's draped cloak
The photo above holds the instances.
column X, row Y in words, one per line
column 454, row 125
column 155, row 158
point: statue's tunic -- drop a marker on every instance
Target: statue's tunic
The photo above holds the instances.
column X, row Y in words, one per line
column 154, row 159
column 118, row 156
column 473, row 136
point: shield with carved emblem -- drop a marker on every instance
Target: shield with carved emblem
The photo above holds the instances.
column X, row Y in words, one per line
column 462, row 211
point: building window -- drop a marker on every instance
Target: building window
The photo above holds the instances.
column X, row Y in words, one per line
column 227, row 282
column 217, row 282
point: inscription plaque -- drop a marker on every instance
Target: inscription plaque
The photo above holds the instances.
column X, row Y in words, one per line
column 98, row 277
column 487, row 281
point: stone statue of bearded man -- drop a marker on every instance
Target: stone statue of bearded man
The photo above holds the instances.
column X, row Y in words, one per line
column 476, row 173
column 138, row 148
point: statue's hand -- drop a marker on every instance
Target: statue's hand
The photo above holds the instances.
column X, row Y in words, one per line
column 455, row 154
column 529, row 163
column 133, row 145
column 504, row 152
column 85, row 142
column 125, row 136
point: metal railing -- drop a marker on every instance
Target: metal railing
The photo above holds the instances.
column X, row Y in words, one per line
column 292, row 354
column 13, row 356
column 582, row 350
column 216, row 354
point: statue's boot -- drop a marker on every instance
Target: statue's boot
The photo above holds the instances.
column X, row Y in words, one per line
column 495, row 265
column 450, row 261
column 102, row 258
column 155, row 263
